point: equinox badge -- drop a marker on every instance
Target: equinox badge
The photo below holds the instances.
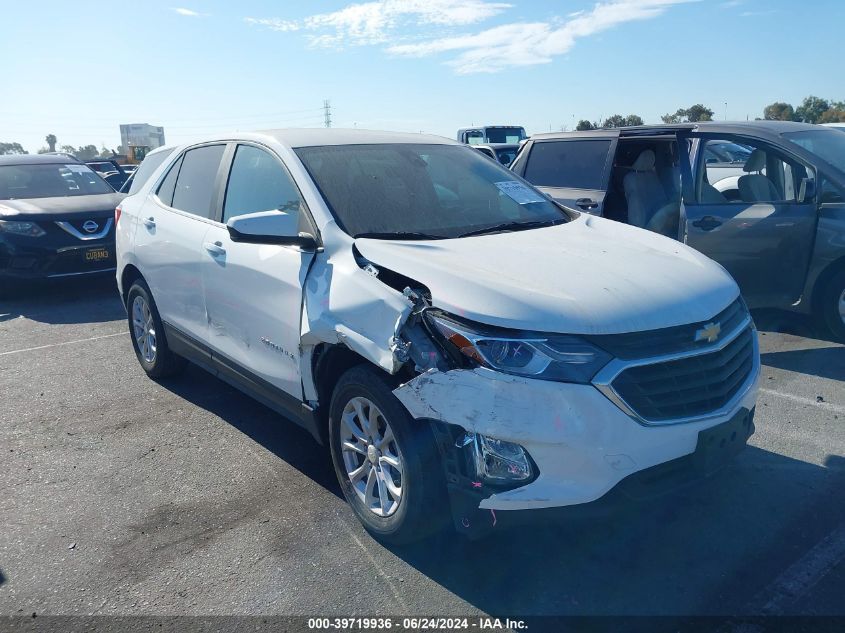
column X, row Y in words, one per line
column 709, row 333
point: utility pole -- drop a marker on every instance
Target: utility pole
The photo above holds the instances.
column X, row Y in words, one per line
column 327, row 112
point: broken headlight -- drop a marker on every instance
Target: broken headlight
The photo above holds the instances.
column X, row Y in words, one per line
column 548, row 357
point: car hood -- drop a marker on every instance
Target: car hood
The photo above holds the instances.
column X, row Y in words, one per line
column 68, row 207
column 588, row 276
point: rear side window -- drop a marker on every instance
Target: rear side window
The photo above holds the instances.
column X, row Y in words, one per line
column 195, row 184
column 258, row 182
column 148, row 166
column 575, row 164
column 167, row 186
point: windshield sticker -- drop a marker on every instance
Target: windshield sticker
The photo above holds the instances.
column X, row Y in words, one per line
column 519, row 192
column 79, row 169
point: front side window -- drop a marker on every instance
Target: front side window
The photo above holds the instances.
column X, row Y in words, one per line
column 50, row 180
column 576, row 164
column 430, row 191
column 195, row 183
column 754, row 173
column 258, row 182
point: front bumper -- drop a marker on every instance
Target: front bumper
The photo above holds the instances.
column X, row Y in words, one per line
column 54, row 255
column 582, row 443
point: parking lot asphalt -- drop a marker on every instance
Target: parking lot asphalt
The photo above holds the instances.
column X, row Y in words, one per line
column 120, row 495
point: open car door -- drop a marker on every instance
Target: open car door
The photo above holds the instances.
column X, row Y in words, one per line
column 574, row 171
column 759, row 225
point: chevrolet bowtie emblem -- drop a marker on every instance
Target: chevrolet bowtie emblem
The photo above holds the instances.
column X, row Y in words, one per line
column 709, row 332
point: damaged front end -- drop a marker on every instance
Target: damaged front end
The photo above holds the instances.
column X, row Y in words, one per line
column 403, row 337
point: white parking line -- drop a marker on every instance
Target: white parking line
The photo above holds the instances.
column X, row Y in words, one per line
column 81, row 340
column 802, row 576
column 801, row 400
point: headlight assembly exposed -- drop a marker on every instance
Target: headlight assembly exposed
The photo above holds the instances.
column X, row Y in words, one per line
column 548, row 357
column 14, row 227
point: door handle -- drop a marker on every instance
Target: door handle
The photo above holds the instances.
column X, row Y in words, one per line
column 216, row 249
column 587, row 203
column 150, row 222
column 707, row 223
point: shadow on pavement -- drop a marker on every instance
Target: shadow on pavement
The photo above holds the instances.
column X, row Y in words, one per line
column 280, row 436
column 67, row 301
column 705, row 551
column 771, row 320
column 825, row 362
column 708, row 550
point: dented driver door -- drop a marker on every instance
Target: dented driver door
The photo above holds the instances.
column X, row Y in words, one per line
column 254, row 291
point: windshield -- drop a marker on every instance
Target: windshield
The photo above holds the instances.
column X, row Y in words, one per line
column 51, row 180
column 434, row 191
column 828, row 144
column 505, row 134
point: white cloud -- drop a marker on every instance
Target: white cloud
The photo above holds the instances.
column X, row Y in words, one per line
column 187, row 12
column 529, row 43
column 274, row 24
column 491, row 50
column 372, row 22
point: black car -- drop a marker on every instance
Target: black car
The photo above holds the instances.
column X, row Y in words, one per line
column 56, row 219
column 110, row 170
column 766, row 199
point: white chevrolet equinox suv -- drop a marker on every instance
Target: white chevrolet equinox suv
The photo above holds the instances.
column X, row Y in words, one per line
column 472, row 352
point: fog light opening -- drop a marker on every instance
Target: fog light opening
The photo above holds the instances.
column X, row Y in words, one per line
column 498, row 461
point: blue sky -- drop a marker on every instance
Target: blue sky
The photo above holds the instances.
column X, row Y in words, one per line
column 195, row 66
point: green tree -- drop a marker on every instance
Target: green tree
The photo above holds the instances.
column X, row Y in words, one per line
column 68, row 149
column 633, row 119
column 811, row 109
column 779, row 111
column 51, row 142
column 11, row 148
column 617, row 120
column 584, row 124
column 833, row 115
column 87, row 152
column 692, row 114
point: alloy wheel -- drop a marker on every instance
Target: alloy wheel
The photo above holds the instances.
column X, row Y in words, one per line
column 143, row 328
column 841, row 305
column 371, row 456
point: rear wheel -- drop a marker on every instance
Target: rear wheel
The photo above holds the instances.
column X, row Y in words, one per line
column 147, row 332
column 387, row 463
column 832, row 305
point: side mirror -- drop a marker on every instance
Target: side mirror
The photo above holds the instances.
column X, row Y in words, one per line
column 269, row 227
column 807, row 191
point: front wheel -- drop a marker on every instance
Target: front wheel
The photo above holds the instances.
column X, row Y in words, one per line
column 387, row 463
column 832, row 306
column 147, row 332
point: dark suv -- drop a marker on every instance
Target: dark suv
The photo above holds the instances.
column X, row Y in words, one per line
column 56, row 219
column 766, row 199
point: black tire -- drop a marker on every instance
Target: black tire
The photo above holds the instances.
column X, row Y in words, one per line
column 164, row 362
column 423, row 507
column 829, row 307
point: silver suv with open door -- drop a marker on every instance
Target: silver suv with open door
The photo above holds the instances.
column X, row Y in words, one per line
column 766, row 199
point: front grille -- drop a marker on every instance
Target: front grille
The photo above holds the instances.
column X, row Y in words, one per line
column 670, row 340
column 690, row 386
